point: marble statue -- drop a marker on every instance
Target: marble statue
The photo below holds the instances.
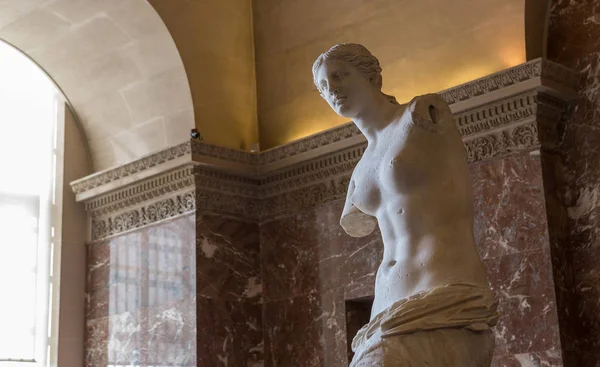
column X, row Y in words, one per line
column 433, row 305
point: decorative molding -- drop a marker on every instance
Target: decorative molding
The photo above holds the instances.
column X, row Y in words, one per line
column 143, row 215
column 308, row 143
column 204, row 178
column 214, row 180
column 496, row 115
column 307, row 173
column 142, row 192
column 512, row 76
column 109, row 224
column 107, row 176
column 222, row 153
column 168, row 195
column 299, row 199
column 519, row 138
column 559, row 73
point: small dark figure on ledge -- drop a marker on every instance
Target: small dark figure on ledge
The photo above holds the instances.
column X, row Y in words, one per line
column 196, row 135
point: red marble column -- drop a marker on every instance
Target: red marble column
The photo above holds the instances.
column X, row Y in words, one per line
column 141, row 292
column 574, row 41
column 511, row 233
column 229, row 292
column 185, row 292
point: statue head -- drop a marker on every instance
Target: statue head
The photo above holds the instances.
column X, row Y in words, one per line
column 348, row 77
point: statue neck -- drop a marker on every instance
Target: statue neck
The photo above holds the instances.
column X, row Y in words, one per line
column 374, row 119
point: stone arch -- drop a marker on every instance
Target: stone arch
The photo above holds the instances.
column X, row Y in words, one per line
column 117, row 64
column 82, row 137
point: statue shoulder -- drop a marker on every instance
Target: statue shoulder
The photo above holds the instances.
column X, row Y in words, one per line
column 430, row 112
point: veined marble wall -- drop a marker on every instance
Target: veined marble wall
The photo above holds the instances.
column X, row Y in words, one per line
column 229, row 290
column 141, row 291
column 511, row 233
column 311, row 267
column 182, row 293
column 574, row 41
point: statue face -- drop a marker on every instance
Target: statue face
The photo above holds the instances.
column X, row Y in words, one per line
column 345, row 88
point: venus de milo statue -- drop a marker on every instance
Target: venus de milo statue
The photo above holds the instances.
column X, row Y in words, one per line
column 433, row 305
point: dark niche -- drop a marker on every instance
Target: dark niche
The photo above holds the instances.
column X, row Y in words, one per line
column 358, row 313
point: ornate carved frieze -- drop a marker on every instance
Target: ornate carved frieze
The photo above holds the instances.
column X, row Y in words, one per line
column 298, row 199
column 309, row 172
column 199, row 177
column 503, row 142
column 178, row 192
column 496, row 115
column 143, row 191
column 142, row 215
column 509, row 77
column 110, row 175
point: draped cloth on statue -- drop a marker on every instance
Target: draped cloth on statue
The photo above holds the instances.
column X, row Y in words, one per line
column 445, row 326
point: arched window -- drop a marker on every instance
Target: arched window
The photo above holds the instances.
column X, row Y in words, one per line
column 28, row 122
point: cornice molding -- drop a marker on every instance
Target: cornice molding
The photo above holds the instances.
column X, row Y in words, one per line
column 188, row 189
column 513, row 76
column 194, row 176
column 138, row 166
column 142, row 192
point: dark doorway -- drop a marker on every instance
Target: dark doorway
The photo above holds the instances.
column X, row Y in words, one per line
column 358, row 314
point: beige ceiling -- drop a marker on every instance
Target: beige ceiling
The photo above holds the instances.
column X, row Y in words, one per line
column 423, row 46
column 215, row 40
column 117, row 64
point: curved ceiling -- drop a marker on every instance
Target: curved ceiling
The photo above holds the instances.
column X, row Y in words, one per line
column 116, row 63
column 216, row 43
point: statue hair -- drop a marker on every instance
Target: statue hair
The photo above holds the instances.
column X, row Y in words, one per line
column 357, row 56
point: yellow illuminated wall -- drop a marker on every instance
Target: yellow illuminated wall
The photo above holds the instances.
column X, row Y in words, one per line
column 423, row 46
column 215, row 41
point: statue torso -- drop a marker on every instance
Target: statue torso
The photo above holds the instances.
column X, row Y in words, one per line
column 414, row 179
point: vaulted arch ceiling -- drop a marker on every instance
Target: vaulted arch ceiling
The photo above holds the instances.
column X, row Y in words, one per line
column 116, row 63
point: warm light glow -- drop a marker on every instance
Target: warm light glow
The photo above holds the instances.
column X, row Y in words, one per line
column 512, row 56
column 306, row 128
column 423, row 47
